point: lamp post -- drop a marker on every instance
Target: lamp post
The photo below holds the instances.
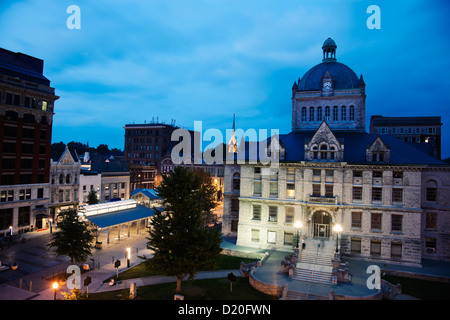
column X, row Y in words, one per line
column 51, row 225
column 298, row 225
column 128, row 257
column 338, row 229
column 55, row 287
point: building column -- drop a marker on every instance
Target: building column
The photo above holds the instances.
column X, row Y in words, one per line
column 128, row 226
column 107, row 236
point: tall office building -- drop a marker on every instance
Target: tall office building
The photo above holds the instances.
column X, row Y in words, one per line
column 26, row 115
column 145, row 146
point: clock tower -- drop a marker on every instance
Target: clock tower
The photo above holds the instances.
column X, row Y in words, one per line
column 330, row 92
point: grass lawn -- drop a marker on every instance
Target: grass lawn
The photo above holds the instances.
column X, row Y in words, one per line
column 422, row 289
column 211, row 289
column 142, row 270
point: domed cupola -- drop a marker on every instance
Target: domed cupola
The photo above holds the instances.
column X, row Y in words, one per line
column 331, row 92
column 342, row 77
column 329, row 50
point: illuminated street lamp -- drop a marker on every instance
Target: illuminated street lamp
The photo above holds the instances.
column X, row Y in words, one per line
column 338, row 229
column 128, row 257
column 51, row 225
column 298, row 225
column 55, row 287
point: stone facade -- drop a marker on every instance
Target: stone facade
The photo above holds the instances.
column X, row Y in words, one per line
column 389, row 199
column 64, row 183
column 390, row 229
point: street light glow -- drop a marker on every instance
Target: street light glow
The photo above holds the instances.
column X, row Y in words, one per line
column 298, row 224
column 337, row 228
column 55, row 285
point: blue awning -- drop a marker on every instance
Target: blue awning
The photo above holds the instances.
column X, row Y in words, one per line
column 118, row 217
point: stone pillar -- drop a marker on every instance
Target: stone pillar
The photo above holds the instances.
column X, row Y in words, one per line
column 107, row 236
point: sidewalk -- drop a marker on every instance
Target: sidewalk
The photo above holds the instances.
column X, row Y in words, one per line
column 269, row 272
column 42, row 288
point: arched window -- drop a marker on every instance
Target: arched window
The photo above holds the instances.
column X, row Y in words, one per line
column 343, row 113
column 311, row 114
column 351, row 113
column 61, row 178
column 304, row 114
column 11, row 115
column 315, row 153
column 323, row 151
column 68, row 178
column 332, row 151
column 28, row 118
column 335, row 113
column 319, row 114
column 327, row 113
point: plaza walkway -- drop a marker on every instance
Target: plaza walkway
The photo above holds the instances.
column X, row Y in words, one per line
column 269, row 272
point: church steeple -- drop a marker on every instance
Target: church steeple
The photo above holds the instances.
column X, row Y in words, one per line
column 232, row 145
column 329, row 50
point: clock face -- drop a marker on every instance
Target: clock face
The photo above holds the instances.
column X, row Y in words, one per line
column 327, row 85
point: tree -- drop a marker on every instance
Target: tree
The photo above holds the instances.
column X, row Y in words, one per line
column 102, row 148
column 181, row 242
column 92, row 197
column 73, row 239
column 208, row 198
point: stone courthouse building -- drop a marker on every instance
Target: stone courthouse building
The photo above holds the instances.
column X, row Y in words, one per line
column 390, row 200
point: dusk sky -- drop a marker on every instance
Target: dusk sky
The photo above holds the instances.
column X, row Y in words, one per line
column 204, row 60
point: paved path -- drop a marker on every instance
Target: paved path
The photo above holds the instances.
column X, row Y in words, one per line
column 41, row 288
column 269, row 272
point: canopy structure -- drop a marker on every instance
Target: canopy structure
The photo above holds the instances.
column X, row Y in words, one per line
column 115, row 214
column 115, row 218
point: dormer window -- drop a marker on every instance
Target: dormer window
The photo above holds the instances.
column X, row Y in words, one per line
column 323, row 151
column 324, row 145
column 378, row 151
column 332, row 151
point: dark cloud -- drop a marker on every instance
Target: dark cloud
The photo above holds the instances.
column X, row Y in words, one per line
column 205, row 60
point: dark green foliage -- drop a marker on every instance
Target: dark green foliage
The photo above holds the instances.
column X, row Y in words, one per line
column 73, row 238
column 181, row 241
column 92, row 197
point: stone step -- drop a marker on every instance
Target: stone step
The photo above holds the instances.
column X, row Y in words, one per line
column 314, row 258
column 295, row 295
column 309, row 275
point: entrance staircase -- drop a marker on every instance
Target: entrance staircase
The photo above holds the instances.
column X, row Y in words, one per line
column 315, row 262
column 295, row 295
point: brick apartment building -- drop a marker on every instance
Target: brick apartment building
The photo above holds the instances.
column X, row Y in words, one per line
column 26, row 115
